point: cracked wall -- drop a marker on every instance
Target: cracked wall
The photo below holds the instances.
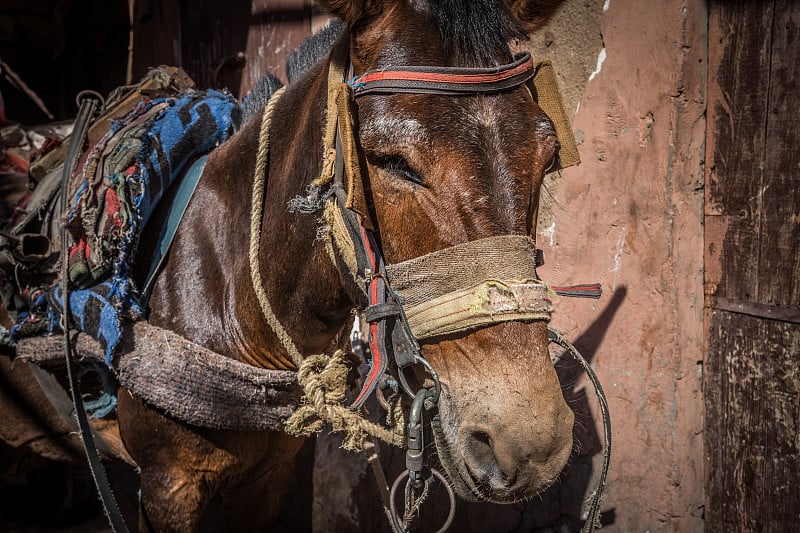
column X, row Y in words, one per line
column 630, row 217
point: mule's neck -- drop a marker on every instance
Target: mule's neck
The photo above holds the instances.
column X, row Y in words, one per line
column 303, row 286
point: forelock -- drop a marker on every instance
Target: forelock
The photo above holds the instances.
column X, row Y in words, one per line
column 476, row 30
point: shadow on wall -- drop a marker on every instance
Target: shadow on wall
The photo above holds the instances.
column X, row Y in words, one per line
column 572, row 497
column 563, row 506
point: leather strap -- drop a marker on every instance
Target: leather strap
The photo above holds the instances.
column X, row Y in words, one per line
column 445, row 80
column 177, row 209
column 89, row 104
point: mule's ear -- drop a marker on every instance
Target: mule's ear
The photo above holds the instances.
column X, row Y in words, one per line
column 350, row 11
column 533, row 13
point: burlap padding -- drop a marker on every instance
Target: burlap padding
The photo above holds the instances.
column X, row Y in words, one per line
column 187, row 381
column 490, row 302
column 505, row 257
column 469, row 285
column 549, row 99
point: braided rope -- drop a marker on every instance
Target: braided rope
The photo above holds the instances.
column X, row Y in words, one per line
column 255, row 231
column 324, row 379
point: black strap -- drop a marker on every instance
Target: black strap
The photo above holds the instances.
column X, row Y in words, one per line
column 90, row 103
column 376, row 312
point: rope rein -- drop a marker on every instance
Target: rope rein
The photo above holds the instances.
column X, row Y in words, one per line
column 323, row 378
column 256, row 212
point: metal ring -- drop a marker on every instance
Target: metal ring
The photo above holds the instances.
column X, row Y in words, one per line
column 393, row 508
column 90, row 94
column 434, row 393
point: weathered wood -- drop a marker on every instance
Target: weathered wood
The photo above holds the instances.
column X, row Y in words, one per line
column 751, row 372
column 779, row 260
column 739, row 40
column 221, row 45
column 157, row 35
column 752, row 389
column 188, row 381
column 273, row 35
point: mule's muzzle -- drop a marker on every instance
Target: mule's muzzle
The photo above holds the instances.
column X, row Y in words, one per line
column 505, row 458
column 507, row 469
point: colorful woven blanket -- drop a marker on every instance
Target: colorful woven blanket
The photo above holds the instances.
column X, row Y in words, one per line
column 115, row 189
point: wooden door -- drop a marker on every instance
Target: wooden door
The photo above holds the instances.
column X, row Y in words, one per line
column 752, row 278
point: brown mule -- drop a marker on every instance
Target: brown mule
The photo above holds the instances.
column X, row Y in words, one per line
column 439, row 171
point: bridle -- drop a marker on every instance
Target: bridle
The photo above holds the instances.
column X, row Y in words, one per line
column 431, row 295
column 428, row 296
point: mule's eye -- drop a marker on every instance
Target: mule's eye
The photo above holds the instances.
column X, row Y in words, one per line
column 399, row 167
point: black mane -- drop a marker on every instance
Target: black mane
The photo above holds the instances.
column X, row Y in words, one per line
column 476, row 30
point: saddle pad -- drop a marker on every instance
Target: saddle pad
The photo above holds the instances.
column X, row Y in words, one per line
column 114, row 190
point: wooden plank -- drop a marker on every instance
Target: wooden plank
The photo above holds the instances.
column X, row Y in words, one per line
column 273, row 35
column 751, row 372
column 157, row 36
column 779, row 266
column 739, row 40
column 213, row 33
column 752, row 395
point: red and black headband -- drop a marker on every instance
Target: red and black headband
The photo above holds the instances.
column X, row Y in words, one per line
column 445, row 80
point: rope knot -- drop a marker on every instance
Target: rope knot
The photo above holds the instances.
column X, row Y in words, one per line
column 324, row 381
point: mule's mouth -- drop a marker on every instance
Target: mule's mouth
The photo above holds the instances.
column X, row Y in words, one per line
column 475, row 475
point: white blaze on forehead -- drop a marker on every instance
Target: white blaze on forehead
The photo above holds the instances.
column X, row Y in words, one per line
column 488, row 116
column 395, row 130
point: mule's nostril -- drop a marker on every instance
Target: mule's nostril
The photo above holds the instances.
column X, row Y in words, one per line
column 478, row 456
column 482, row 438
column 481, row 459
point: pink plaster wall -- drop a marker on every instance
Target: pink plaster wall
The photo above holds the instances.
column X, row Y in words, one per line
column 630, row 217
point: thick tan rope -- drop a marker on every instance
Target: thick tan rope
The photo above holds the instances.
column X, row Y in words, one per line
column 324, row 379
column 255, row 231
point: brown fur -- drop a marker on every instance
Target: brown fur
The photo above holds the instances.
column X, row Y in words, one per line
column 506, row 430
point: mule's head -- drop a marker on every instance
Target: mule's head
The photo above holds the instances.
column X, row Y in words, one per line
column 446, row 170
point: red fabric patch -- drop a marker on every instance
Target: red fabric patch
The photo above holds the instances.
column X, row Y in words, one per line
column 112, row 206
column 80, row 246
